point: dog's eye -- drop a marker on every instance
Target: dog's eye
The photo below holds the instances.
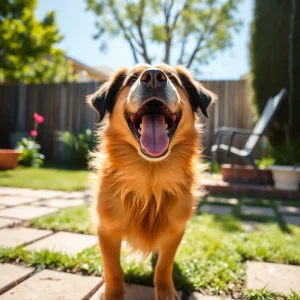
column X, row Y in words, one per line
column 173, row 79
column 132, row 80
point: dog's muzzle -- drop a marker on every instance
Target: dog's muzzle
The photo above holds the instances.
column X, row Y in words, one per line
column 154, row 123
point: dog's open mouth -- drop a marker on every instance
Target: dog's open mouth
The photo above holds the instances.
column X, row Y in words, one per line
column 154, row 125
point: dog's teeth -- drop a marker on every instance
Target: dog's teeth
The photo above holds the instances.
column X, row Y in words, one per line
column 140, row 131
column 166, row 126
column 141, row 126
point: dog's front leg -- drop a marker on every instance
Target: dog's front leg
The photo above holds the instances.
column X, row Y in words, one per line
column 163, row 282
column 110, row 245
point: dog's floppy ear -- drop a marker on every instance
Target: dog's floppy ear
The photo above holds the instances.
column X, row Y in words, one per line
column 104, row 99
column 199, row 96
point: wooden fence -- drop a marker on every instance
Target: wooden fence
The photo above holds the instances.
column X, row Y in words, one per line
column 63, row 107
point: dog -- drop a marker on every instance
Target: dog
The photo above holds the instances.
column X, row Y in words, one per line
column 146, row 167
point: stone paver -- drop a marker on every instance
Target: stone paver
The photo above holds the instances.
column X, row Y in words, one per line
column 216, row 209
column 292, row 220
column 13, row 237
column 46, row 194
column 258, row 211
column 248, row 200
column 278, row 278
column 289, row 209
column 198, row 296
column 13, row 191
column 60, row 203
column 41, row 194
column 70, row 243
column 15, row 200
column 11, row 274
column 50, row 285
column 232, row 201
column 249, row 226
column 132, row 292
column 76, row 195
column 8, row 222
column 26, row 212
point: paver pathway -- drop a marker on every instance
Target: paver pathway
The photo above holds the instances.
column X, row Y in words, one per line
column 216, row 209
column 277, row 277
column 14, row 237
column 60, row 203
column 10, row 275
column 132, row 292
column 15, row 200
column 65, row 242
column 18, row 282
column 26, row 212
column 52, row 285
column 8, row 222
column 258, row 211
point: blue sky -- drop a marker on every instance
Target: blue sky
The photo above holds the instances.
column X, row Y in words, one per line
column 78, row 26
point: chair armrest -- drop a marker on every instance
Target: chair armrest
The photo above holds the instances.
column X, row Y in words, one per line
column 241, row 132
column 231, row 130
column 221, row 131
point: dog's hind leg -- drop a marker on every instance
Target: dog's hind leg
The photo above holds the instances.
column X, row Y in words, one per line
column 110, row 246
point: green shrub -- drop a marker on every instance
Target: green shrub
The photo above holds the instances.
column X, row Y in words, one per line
column 30, row 155
column 287, row 153
column 269, row 51
column 76, row 147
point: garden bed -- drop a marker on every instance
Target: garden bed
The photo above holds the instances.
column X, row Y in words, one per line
column 246, row 174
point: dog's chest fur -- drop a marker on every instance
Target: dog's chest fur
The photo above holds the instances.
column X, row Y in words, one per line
column 147, row 204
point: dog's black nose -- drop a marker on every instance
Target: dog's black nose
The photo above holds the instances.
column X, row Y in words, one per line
column 154, row 78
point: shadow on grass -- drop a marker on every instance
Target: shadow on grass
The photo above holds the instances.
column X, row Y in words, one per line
column 232, row 222
column 228, row 223
column 62, row 166
column 4, row 174
column 181, row 282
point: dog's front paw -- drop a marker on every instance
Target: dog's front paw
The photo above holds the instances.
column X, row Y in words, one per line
column 114, row 292
column 113, row 296
column 166, row 293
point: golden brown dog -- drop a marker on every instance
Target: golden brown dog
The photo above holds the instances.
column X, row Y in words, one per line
column 147, row 164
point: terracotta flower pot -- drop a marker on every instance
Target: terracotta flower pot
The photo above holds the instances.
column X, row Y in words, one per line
column 9, row 158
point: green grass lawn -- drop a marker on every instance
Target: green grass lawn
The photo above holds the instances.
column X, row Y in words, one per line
column 45, row 178
column 75, row 219
column 211, row 257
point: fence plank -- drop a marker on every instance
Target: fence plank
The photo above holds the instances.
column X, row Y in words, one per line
column 64, row 108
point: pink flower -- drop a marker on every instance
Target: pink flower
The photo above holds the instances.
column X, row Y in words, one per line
column 38, row 118
column 33, row 133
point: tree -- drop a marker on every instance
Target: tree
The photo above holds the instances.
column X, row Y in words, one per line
column 275, row 64
column 27, row 52
column 193, row 30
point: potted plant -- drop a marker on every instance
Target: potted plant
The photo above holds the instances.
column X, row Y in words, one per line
column 29, row 148
column 285, row 168
column 9, row 158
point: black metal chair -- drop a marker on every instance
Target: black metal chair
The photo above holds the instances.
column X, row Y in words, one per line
column 253, row 136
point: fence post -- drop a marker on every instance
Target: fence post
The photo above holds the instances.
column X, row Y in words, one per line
column 20, row 130
column 62, row 101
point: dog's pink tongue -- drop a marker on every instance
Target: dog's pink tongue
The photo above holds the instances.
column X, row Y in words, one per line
column 154, row 138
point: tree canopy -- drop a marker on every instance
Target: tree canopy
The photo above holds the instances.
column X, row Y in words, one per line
column 186, row 32
column 27, row 52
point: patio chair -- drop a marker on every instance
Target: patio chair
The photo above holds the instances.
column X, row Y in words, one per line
column 253, row 136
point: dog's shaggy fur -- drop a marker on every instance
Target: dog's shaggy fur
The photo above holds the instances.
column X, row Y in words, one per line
column 145, row 201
